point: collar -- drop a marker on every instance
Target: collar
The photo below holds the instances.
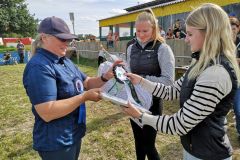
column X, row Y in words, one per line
column 196, row 55
column 61, row 60
column 143, row 44
column 52, row 57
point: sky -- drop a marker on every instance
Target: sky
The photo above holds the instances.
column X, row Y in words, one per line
column 86, row 12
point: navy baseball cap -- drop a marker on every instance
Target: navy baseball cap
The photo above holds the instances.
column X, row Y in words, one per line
column 232, row 14
column 56, row 27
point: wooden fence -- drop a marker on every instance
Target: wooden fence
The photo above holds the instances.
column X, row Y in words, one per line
column 90, row 50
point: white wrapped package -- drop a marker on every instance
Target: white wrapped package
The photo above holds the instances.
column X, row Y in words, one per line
column 112, row 89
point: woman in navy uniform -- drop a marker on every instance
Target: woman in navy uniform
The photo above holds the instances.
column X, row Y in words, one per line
column 58, row 91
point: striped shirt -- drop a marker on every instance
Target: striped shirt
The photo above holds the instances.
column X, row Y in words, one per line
column 211, row 86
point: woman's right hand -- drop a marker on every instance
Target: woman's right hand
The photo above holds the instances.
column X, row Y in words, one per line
column 134, row 78
column 92, row 95
column 132, row 111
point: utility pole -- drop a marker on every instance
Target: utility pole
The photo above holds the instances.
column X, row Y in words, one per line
column 71, row 14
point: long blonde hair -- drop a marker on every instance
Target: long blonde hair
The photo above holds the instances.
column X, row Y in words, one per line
column 214, row 21
column 148, row 15
column 37, row 43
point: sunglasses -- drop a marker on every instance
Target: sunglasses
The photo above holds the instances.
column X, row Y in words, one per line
column 64, row 40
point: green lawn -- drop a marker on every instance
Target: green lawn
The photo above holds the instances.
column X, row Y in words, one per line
column 109, row 135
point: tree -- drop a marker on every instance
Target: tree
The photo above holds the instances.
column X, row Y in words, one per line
column 15, row 19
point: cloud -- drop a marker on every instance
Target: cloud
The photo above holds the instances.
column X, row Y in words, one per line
column 86, row 12
column 116, row 11
column 144, row 1
column 88, row 18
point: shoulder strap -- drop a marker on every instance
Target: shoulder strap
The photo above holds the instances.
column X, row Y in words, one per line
column 238, row 45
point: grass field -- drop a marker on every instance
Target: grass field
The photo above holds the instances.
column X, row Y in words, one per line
column 109, row 135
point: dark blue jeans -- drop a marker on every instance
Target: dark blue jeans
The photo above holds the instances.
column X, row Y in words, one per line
column 67, row 153
column 236, row 108
column 21, row 57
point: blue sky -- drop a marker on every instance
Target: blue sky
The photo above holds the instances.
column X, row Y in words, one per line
column 86, row 12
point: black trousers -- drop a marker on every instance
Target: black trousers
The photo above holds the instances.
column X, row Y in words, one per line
column 145, row 137
column 100, row 60
column 21, row 56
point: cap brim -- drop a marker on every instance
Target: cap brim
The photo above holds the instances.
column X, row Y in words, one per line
column 65, row 36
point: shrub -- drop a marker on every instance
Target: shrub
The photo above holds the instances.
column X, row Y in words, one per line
column 4, row 49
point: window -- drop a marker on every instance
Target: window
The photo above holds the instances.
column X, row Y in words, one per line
column 124, row 29
column 105, row 31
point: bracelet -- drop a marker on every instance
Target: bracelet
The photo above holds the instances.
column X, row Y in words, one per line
column 103, row 79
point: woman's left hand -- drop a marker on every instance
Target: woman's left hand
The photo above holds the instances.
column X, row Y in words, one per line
column 132, row 111
column 109, row 74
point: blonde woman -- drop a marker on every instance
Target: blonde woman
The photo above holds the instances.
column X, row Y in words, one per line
column 150, row 57
column 206, row 90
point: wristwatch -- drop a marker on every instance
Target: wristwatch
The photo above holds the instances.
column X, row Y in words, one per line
column 103, row 79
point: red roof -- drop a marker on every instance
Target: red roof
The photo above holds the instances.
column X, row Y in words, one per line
column 25, row 41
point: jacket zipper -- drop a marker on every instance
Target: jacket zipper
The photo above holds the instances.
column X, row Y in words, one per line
column 190, row 140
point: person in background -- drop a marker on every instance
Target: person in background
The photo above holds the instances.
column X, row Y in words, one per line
column 170, row 34
column 110, row 38
column 235, row 30
column 116, row 39
column 73, row 48
column 7, row 58
column 206, row 91
column 73, row 43
column 176, row 27
column 235, row 24
column 232, row 15
column 150, row 57
column 162, row 32
column 101, row 55
column 178, row 35
column 58, row 90
column 20, row 49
